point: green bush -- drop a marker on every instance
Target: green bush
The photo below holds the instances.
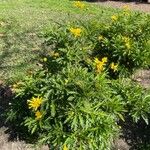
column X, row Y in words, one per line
column 71, row 102
column 123, row 39
column 68, row 105
column 137, row 100
column 74, row 107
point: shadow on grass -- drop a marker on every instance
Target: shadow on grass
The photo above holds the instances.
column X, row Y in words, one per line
column 8, row 66
column 19, row 52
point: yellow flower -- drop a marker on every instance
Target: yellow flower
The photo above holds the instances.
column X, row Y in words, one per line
column 45, row 59
column 38, row 115
column 79, row 4
column 35, row 103
column 104, row 59
column 76, row 31
column 100, row 38
column 65, row 147
column 96, row 60
column 114, row 18
column 99, row 65
column 113, row 66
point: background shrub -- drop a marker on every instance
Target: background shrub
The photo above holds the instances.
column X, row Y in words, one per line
column 123, row 40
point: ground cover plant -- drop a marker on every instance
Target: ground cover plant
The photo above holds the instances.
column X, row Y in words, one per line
column 78, row 95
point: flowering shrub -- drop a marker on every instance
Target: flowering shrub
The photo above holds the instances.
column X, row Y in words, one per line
column 123, row 40
column 72, row 107
column 68, row 108
column 72, row 102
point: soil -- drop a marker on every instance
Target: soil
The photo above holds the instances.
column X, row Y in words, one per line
column 133, row 5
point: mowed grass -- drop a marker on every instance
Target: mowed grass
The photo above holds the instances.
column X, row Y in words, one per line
column 22, row 20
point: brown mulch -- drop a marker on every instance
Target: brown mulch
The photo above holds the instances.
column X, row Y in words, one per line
column 144, row 7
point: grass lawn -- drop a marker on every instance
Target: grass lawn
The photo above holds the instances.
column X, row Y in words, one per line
column 21, row 20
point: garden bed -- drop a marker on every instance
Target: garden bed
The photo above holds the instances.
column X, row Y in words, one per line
column 78, row 91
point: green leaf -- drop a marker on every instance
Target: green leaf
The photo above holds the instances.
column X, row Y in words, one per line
column 53, row 109
column 33, row 129
column 121, row 117
column 81, row 121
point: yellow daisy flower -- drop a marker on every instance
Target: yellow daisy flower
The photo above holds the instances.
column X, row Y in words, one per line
column 79, row 4
column 114, row 18
column 65, row 147
column 35, row 103
column 38, row 115
column 76, row 31
column 104, row 59
column 128, row 46
column 99, row 65
column 113, row 66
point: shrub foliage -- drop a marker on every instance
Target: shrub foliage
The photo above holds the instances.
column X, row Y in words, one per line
column 73, row 101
